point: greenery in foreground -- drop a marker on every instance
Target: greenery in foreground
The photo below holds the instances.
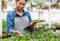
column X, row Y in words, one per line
column 40, row 34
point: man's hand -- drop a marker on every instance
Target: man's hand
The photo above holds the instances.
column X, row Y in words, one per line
column 32, row 24
column 17, row 33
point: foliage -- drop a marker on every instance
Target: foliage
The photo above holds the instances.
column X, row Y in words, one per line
column 55, row 25
column 37, row 20
column 40, row 34
column 37, row 35
column 38, row 4
column 4, row 28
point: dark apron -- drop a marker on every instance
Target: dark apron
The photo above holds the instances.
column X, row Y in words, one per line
column 21, row 23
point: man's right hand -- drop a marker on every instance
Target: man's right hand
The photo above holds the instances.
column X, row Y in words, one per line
column 17, row 33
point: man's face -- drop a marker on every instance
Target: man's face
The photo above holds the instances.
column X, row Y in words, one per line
column 20, row 4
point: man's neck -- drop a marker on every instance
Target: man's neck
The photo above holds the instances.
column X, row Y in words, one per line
column 19, row 12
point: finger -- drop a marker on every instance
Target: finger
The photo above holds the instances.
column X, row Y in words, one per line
column 19, row 34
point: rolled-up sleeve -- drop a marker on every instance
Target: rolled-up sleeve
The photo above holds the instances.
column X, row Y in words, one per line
column 29, row 16
column 9, row 24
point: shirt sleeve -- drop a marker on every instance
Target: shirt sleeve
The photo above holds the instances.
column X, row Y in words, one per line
column 9, row 24
column 29, row 16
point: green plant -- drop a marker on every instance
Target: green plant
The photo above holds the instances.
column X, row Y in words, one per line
column 36, row 35
column 4, row 28
column 55, row 25
column 40, row 4
column 37, row 20
column 37, row 5
column 45, row 25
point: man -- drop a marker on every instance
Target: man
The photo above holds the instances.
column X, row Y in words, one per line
column 18, row 19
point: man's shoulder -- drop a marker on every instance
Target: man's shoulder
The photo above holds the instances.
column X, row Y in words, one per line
column 11, row 13
column 27, row 12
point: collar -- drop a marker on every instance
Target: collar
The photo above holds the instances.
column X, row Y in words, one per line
column 16, row 12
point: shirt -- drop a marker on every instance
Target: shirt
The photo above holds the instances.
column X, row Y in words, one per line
column 10, row 19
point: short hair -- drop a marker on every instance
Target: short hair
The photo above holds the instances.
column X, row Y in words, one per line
column 18, row 0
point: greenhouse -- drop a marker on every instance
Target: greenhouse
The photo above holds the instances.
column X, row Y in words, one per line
column 43, row 15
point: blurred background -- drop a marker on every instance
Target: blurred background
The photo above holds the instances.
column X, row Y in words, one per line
column 39, row 9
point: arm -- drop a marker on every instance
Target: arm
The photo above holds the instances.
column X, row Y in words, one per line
column 9, row 24
column 29, row 17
